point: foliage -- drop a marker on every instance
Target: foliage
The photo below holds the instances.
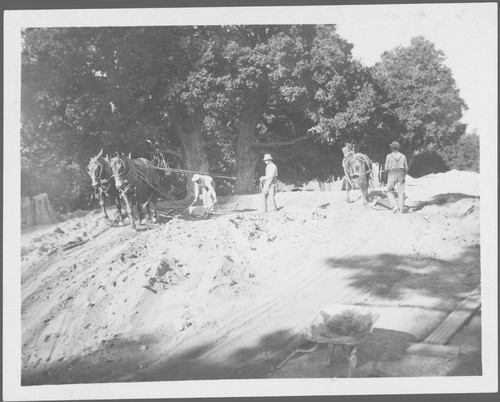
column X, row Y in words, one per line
column 422, row 104
column 427, row 162
column 216, row 98
column 464, row 155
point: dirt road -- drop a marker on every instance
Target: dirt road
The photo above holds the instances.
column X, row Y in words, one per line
column 228, row 297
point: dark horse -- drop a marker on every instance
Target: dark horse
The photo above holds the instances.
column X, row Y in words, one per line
column 357, row 169
column 104, row 183
column 139, row 177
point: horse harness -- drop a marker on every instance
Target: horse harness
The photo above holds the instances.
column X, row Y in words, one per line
column 131, row 174
column 356, row 173
column 104, row 184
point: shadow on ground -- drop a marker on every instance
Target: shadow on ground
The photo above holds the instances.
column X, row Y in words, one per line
column 389, row 276
column 259, row 362
column 122, row 360
column 442, row 199
column 385, row 276
column 382, row 346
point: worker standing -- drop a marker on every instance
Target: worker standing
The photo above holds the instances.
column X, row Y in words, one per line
column 268, row 184
column 396, row 167
column 207, row 186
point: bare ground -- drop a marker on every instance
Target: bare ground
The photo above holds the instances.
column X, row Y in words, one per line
column 230, row 296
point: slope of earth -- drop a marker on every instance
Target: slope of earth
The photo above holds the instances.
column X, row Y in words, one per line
column 229, row 296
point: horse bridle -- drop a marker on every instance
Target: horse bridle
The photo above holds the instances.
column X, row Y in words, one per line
column 126, row 171
column 100, row 182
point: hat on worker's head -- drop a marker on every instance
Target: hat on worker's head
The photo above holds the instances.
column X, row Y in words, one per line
column 267, row 157
column 196, row 177
column 394, row 144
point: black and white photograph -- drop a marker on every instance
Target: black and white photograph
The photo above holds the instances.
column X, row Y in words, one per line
column 250, row 201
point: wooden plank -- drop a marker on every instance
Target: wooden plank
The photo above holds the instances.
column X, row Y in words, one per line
column 450, row 352
column 456, row 320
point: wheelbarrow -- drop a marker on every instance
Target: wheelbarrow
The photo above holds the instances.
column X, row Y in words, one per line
column 337, row 325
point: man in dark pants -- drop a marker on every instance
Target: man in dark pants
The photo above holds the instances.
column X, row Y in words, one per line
column 396, row 167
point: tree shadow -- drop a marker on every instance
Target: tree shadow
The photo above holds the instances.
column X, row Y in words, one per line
column 124, row 360
column 383, row 346
column 389, row 276
column 442, row 199
column 197, row 363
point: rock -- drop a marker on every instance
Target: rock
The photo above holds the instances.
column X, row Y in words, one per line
column 179, row 325
column 163, row 268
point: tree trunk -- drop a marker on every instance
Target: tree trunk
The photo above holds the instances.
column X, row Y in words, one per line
column 194, row 148
column 247, row 156
column 37, row 211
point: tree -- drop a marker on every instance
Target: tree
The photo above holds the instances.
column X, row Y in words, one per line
column 58, row 88
column 464, row 155
column 138, row 90
column 422, row 103
column 292, row 87
column 211, row 99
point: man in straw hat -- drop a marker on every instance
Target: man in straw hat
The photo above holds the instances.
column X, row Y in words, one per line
column 268, row 184
column 396, row 167
column 207, row 186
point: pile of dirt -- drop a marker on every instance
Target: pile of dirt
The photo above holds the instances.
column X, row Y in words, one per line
column 227, row 296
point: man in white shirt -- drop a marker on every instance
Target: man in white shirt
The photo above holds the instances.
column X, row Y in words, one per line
column 268, row 184
column 396, row 167
column 207, row 186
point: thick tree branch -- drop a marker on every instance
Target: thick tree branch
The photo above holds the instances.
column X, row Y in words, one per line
column 279, row 143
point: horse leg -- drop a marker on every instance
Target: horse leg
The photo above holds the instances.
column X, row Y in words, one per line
column 347, row 184
column 103, row 206
column 119, row 208
column 139, row 210
column 151, row 202
column 364, row 192
column 155, row 213
column 129, row 210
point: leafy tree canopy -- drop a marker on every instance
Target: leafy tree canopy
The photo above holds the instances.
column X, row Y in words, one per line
column 422, row 103
column 216, row 98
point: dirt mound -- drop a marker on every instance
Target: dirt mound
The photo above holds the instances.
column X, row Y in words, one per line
column 225, row 297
